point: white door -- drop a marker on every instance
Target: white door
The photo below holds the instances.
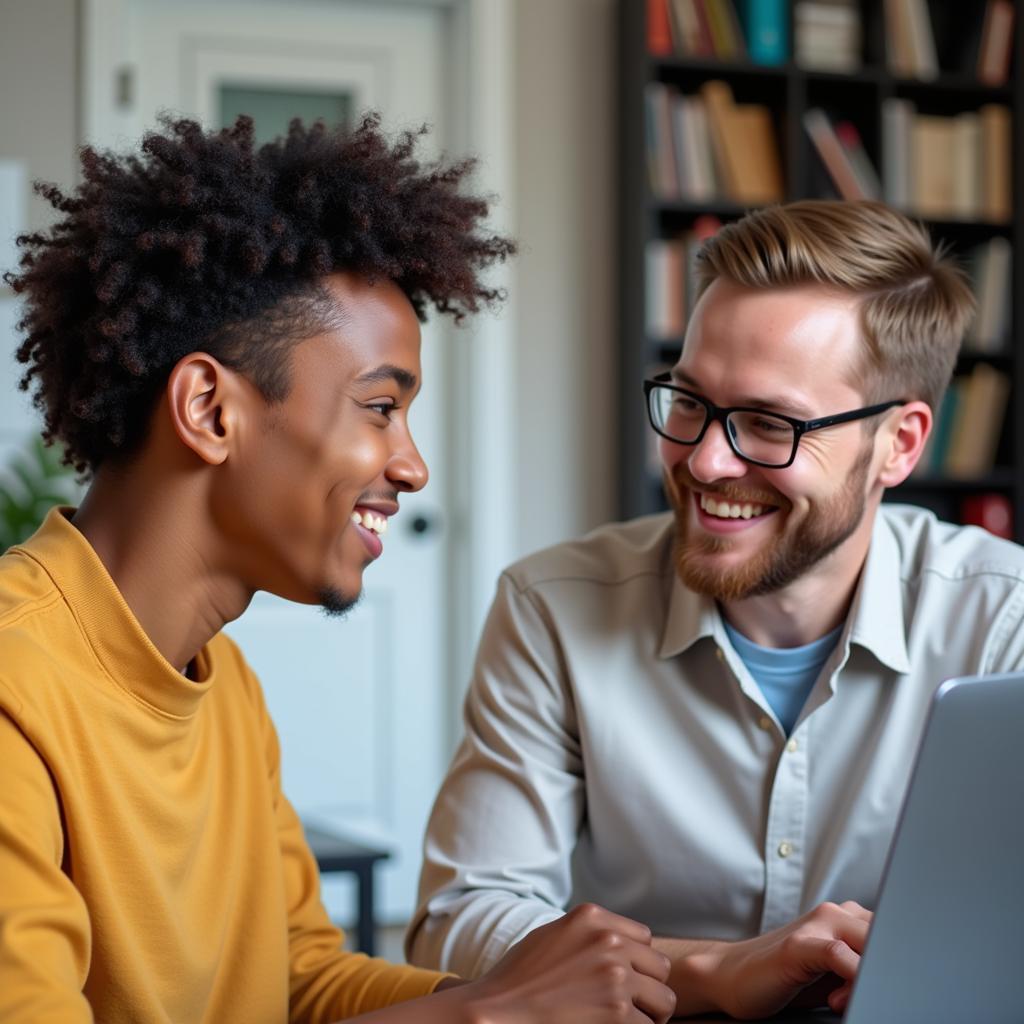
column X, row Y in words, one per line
column 359, row 704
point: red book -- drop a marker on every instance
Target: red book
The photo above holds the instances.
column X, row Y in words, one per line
column 659, row 29
column 991, row 511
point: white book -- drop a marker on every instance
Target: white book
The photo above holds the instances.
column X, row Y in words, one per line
column 897, row 122
column 702, row 165
column 992, row 323
column 922, row 39
column 683, row 146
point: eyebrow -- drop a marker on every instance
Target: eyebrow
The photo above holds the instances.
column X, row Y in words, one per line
column 388, row 372
column 781, row 404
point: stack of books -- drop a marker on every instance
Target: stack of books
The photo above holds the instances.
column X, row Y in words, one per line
column 827, row 35
column 718, row 29
column 706, row 146
column 952, row 168
column 923, row 39
column 670, row 276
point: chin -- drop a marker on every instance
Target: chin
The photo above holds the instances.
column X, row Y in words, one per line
column 337, row 602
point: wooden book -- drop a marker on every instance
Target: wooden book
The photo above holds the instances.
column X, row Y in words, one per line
column 978, row 424
column 996, row 201
column 898, row 43
column 760, row 173
column 996, row 43
column 922, row 40
column 932, row 178
column 726, row 142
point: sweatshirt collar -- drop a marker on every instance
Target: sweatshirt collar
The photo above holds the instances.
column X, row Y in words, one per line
column 125, row 652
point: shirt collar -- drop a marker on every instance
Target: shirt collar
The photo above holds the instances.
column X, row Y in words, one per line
column 690, row 617
column 876, row 615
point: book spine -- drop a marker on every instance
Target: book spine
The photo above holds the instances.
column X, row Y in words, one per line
column 659, row 29
column 766, row 23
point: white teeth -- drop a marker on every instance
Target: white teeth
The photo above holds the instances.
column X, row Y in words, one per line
column 729, row 510
column 378, row 524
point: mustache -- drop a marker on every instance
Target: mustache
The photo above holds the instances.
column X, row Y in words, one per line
column 680, row 479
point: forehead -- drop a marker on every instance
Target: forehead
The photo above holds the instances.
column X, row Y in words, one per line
column 802, row 343
column 375, row 325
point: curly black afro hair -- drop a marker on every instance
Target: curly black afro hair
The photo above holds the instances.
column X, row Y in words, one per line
column 204, row 242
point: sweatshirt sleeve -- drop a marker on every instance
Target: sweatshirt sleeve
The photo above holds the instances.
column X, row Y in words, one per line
column 45, row 934
column 326, row 983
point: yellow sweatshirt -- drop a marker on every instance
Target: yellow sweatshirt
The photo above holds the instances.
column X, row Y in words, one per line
column 151, row 869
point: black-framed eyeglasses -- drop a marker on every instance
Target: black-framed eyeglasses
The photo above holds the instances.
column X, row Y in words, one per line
column 764, row 438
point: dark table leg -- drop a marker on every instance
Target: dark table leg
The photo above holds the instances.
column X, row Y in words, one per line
column 365, row 938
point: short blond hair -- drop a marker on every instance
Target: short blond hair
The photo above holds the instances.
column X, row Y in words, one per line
column 916, row 302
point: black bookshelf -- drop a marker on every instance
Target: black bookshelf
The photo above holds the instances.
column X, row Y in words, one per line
column 788, row 90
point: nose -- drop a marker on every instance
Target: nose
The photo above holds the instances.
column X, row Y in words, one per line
column 713, row 459
column 406, row 469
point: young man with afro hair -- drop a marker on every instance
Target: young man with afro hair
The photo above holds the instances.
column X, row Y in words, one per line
column 226, row 342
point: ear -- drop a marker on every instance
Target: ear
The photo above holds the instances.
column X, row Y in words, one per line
column 204, row 399
column 904, row 440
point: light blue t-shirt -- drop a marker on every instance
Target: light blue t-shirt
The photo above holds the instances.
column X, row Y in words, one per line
column 786, row 675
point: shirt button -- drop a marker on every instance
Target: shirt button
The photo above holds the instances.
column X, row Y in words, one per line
column 719, row 654
column 792, row 746
column 785, row 848
column 764, row 722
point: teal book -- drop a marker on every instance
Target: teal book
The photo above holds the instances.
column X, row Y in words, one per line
column 944, row 427
column 766, row 24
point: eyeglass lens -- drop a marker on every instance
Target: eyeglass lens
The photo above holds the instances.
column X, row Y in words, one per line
column 756, row 435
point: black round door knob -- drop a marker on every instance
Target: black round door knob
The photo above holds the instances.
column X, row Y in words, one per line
column 421, row 525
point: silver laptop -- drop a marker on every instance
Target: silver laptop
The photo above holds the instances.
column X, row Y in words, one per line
column 947, row 940
column 946, row 944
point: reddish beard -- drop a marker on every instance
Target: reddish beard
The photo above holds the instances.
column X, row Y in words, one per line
column 785, row 557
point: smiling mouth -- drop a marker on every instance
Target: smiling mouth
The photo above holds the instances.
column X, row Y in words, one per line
column 733, row 509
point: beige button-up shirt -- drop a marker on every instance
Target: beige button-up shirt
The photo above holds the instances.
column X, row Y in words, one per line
column 618, row 750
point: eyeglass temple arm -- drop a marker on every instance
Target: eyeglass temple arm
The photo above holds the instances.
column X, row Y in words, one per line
column 857, row 414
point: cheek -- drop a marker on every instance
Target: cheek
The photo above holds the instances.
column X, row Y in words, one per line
column 672, row 454
column 359, row 461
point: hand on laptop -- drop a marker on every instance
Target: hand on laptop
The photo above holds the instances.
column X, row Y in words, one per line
column 589, row 967
column 817, row 955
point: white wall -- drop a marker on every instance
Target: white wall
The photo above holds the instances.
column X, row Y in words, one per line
column 566, row 281
column 37, row 140
column 39, row 86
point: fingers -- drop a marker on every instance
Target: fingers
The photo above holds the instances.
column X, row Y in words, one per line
column 647, row 960
column 856, row 910
column 839, row 998
column 655, row 1000
column 853, row 931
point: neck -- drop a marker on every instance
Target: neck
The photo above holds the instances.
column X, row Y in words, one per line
column 811, row 606
column 149, row 528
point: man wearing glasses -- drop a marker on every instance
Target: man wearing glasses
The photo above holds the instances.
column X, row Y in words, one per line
column 705, row 719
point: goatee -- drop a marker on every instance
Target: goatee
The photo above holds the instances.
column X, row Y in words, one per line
column 785, row 557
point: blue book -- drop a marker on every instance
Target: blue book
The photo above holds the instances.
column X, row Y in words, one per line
column 766, row 24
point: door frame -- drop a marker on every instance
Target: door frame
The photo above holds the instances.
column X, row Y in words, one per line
column 480, row 93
